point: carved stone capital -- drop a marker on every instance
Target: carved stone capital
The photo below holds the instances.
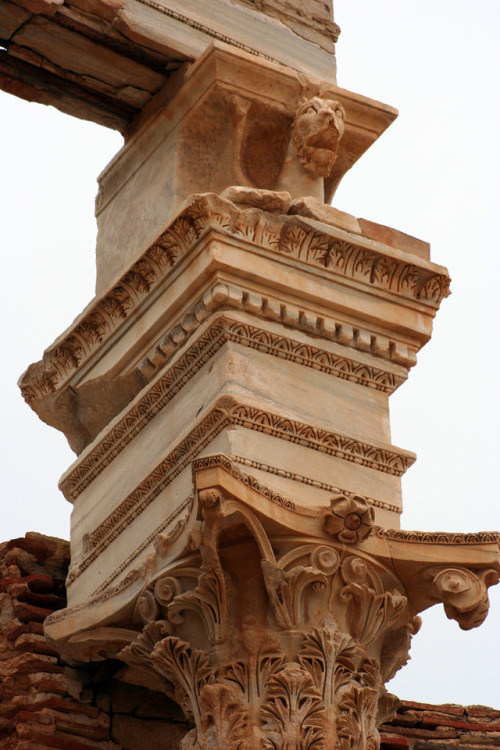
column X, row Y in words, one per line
column 271, row 641
column 271, row 635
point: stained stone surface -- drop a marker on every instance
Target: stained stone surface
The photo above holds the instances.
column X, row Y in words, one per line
column 235, row 535
column 46, row 702
column 228, row 120
column 103, row 60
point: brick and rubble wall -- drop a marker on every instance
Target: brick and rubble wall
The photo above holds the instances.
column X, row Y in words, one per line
column 421, row 726
column 46, row 703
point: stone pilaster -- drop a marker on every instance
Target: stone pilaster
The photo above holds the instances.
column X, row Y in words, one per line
column 235, row 533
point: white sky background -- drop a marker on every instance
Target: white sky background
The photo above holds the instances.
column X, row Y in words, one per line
column 434, row 174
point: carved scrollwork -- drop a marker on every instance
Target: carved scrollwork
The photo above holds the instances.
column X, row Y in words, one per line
column 328, row 628
column 147, row 607
column 166, row 589
column 463, row 593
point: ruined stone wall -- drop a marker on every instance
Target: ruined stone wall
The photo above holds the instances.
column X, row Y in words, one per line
column 421, row 726
column 46, row 703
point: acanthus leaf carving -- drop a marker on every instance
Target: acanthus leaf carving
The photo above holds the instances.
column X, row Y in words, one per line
column 188, row 669
column 140, row 651
column 371, row 610
column 356, row 721
column 208, row 600
column 387, row 707
column 308, row 666
column 225, row 721
column 395, row 651
column 286, row 590
column 293, row 716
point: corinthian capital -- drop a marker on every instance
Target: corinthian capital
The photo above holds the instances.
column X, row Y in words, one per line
column 275, row 632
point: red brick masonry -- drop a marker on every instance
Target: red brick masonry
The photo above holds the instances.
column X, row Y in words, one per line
column 45, row 703
column 420, row 726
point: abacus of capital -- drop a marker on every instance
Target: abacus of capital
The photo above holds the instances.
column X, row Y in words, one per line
column 235, row 536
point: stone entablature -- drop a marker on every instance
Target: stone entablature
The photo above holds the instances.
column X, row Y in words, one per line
column 273, row 129
column 203, row 353
column 273, row 241
column 236, row 495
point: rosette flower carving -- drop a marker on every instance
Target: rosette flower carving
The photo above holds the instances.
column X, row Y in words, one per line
column 350, row 519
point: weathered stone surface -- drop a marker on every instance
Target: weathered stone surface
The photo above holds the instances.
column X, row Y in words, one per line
column 48, row 705
column 69, row 53
column 235, row 541
column 311, row 19
column 429, row 727
column 248, row 110
column 136, row 734
column 394, row 238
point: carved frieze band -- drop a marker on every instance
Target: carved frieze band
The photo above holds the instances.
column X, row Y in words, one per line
column 296, row 237
column 222, row 330
column 440, row 537
column 312, row 482
column 220, row 459
column 288, row 235
column 380, row 459
column 145, row 567
column 277, row 345
column 150, row 488
column 161, row 538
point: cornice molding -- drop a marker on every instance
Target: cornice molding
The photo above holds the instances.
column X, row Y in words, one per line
column 313, row 483
column 209, row 342
column 440, row 537
column 157, row 537
column 362, row 261
column 166, row 575
column 276, row 344
column 382, row 459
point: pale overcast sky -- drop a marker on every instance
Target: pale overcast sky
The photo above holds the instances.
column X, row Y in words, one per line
column 434, row 174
